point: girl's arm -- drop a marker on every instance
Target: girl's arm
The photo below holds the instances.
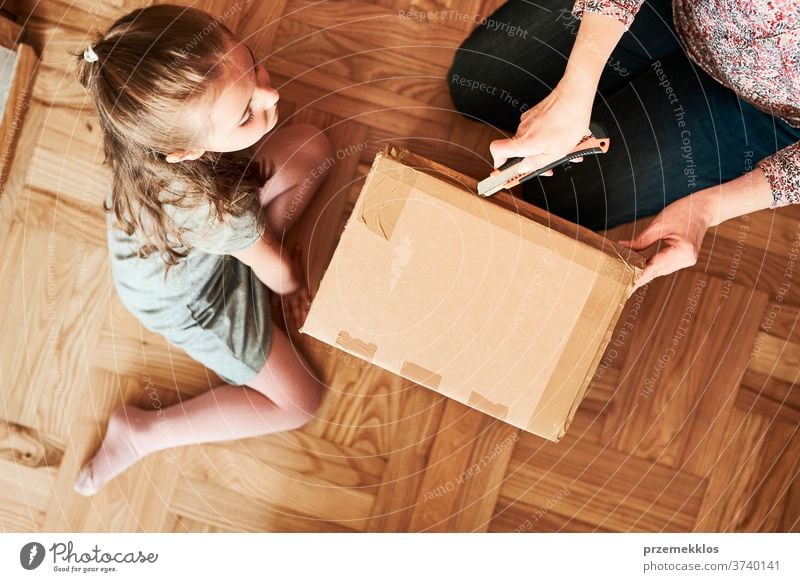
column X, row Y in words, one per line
column 271, row 264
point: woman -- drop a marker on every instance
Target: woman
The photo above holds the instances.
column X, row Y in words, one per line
column 701, row 99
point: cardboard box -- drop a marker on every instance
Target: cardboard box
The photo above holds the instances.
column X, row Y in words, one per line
column 490, row 301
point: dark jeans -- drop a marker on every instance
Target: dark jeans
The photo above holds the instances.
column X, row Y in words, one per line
column 673, row 129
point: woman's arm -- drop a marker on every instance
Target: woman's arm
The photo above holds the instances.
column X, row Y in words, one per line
column 748, row 193
column 683, row 224
column 553, row 126
column 597, row 36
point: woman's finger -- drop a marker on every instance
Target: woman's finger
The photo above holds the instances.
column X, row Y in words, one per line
column 663, row 263
column 649, row 236
column 503, row 149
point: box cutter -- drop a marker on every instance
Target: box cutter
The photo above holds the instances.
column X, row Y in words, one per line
column 507, row 176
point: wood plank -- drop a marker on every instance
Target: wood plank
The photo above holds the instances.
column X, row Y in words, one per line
column 465, row 469
column 768, row 396
column 306, row 455
column 83, row 314
column 17, row 101
column 600, row 486
column 260, row 484
column 766, row 230
column 361, row 405
column 775, row 357
column 15, row 186
column 732, row 471
column 683, row 383
column 420, row 418
column 138, row 500
column 222, row 509
column 772, row 500
column 25, row 493
column 29, row 447
column 518, row 516
column 764, row 271
column 39, row 293
column 370, row 48
column 68, row 511
column 259, row 24
column 80, row 14
column 83, row 221
column 364, row 103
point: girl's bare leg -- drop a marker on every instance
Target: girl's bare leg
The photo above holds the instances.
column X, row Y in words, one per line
column 283, row 396
column 301, row 156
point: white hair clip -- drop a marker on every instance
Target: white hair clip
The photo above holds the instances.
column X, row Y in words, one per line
column 90, row 55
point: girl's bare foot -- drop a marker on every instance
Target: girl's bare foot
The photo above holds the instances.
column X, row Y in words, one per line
column 121, row 448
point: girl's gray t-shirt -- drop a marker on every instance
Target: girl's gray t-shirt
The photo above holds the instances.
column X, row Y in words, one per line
column 200, row 282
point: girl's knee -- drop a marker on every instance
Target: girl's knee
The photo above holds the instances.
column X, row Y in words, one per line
column 305, row 405
column 316, row 153
column 321, row 149
column 312, row 141
column 311, row 398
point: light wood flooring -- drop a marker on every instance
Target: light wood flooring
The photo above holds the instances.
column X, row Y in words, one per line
column 713, row 447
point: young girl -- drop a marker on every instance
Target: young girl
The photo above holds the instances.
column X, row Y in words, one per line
column 200, row 200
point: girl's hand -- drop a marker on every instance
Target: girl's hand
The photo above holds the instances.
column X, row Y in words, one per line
column 547, row 131
column 293, row 307
column 682, row 226
column 270, row 263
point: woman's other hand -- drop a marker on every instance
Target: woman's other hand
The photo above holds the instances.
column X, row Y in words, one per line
column 682, row 226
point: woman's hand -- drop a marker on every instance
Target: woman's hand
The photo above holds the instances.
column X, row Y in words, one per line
column 556, row 124
column 549, row 130
column 682, row 226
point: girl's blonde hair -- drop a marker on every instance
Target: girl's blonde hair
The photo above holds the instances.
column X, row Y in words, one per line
column 150, row 65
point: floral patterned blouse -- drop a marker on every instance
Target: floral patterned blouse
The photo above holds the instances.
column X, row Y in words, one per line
column 750, row 46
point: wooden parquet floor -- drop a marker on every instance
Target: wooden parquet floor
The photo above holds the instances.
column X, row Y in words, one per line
column 705, row 439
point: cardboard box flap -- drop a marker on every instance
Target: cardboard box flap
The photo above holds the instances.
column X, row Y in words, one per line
column 631, row 258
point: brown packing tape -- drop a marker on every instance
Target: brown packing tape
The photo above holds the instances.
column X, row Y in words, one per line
column 555, row 401
column 381, row 206
column 420, row 375
column 357, row 346
column 412, row 160
column 485, row 405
